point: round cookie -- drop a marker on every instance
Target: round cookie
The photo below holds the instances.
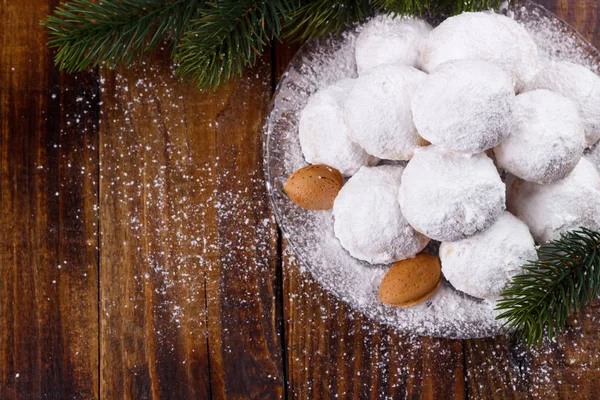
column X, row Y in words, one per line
column 546, row 138
column 368, row 219
column 564, row 205
column 485, row 36
column 579, row 84
column 378, row 112
column 482, row 265
column 390, row 40
column 323, row 132
column 448, row 196
column 464, row 105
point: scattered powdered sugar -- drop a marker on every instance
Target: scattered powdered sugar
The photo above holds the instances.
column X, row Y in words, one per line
column 368, row 219
column 378, row 112
column 323, row 133
column 552, row 209
column 546, row 139
column 449, row 196
column 482, row 265
column 464, row 105
column 447, row 313
column 388, row 40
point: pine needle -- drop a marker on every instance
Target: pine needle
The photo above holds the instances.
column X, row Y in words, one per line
column 316, row 18
column 213, row 41
column 230, row 35
column 113, row 32
column 564, row 280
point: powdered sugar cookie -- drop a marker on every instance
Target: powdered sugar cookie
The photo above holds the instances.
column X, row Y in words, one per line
column 378, row 112
column 546, row 139
column 484, row 36
column 388, row 40
column 323, row 132
column 561, row 206
column 579, row 84
column 464, row 105
column 368, row 219
column 482, row 265
column 448, row 196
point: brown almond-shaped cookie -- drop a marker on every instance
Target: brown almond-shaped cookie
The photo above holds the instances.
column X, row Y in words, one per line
column 411, row 281
column 314, row 187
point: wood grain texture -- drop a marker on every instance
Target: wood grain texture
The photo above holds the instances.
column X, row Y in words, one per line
column 336, row 352
column 189, row 293
column 48, row 223
column 188, row 250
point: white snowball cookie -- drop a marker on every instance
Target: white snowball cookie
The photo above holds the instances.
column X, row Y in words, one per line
column 464, row 105
column 448, row 196
column 550, row 210
column 388, row 40
column 593, row 155
column 378, row 112
column 368, row 220
column 485, row 36
column 578, row 84
column 482, row 265
column 546, row 138
column 323, row 132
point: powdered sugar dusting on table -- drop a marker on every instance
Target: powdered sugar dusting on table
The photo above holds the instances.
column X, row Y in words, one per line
column 447, row 313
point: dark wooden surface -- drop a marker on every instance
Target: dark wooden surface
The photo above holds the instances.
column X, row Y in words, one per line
column 139, row 257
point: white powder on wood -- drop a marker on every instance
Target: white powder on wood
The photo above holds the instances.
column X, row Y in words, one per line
column 546, row 139
column 483, row 264
column 324, row 135
column 368, row 219
column 464, row 105
column 388, row 40
column 378, row 112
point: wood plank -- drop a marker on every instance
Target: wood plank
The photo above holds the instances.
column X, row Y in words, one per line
column 188, row 254
column 48, row 223
column 243, row 287
column 152, row 283
column 336, row 352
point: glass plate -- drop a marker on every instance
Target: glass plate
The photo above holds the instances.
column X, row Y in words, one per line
column 448, row 313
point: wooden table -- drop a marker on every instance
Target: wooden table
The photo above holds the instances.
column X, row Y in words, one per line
column 139, row 257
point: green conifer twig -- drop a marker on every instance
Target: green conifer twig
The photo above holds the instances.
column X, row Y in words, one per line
column 88, row 33
column 213, row 41
column 229, row 36
column 564, row 280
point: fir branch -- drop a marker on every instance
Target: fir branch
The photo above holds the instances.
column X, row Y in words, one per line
column 453, row 7
column 87, row 33
column 213, row 42
column 315, row 18
column 564, row 280
column 230, row 35
column 403, row 7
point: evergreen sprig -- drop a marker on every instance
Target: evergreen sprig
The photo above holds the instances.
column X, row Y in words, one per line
column 212, row 40
column 564, row 280
column 316, row 18
column 229, row 36
column 114, row 32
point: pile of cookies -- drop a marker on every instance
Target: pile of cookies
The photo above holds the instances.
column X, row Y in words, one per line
column 457, row 135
